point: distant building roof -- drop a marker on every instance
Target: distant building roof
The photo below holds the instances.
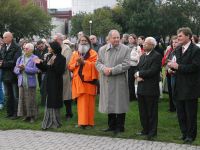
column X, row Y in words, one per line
column 60, row 14
column 89, row 6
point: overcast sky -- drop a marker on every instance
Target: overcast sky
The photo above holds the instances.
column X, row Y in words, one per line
column 59, row 3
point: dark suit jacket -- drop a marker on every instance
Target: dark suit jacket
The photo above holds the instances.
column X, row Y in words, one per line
column 187, row 75
column 149, row 69
column 9, row 58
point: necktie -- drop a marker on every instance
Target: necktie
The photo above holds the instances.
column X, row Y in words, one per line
column 183, row 50
column 6, row 47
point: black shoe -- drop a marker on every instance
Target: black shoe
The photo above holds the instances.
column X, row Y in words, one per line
column 8, row 116
column 150, row 138
column 108, row 129
column 183, row 137
column 116, row 132
column 141, row 133
column 188, row 140
column 26, row 119
column 14, row 117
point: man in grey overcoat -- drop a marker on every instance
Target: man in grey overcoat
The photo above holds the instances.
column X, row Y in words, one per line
column 112, row 64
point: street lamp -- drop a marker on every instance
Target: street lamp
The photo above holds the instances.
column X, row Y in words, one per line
column 90, row 22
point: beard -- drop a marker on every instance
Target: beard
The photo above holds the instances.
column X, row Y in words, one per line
column 83, row 49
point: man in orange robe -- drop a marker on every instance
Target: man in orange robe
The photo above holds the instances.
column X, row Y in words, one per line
column 85, row 75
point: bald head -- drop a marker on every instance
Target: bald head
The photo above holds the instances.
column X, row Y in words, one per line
column 7, row 37
column 59, row 38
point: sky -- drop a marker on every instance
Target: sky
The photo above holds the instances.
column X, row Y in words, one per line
column 59, row 3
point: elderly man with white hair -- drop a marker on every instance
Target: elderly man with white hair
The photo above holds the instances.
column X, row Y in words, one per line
column 148, row 76
column 26, row 71
column 113, row 64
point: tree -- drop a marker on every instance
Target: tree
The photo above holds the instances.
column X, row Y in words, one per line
column 23, row 21
column 102, row 22
column 119, row 16
column 141, row 16
column 76, row 23
column 179, row 13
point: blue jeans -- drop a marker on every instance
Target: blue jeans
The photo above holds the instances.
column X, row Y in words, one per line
column 1, row 90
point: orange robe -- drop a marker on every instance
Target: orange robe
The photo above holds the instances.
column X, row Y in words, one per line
column 83, row 89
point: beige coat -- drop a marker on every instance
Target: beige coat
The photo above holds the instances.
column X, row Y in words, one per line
column 67, row 88
column 114, row 91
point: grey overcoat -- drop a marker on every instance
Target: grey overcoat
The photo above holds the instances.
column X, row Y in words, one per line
column 67, row 87
column 114, row 91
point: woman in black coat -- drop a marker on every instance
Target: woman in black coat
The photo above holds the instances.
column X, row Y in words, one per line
column 54, row 66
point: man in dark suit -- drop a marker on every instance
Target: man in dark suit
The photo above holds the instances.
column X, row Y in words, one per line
column 187, row 69
column 148, row 76
column 41, row 51
column 8, row 57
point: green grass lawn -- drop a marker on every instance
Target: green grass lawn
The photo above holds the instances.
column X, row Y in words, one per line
column 168, row 129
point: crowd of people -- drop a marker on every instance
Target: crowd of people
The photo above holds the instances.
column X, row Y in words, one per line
column 121, row 70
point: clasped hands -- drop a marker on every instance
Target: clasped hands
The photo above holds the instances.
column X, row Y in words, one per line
column 172, row 65
column 107, row 71
column 21, row 67
column 80, row 61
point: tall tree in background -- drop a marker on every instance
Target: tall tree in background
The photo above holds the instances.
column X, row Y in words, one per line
column 119, row 16
column 141, row 16
column 76, row 23
column 23, row 21
column 102, row 22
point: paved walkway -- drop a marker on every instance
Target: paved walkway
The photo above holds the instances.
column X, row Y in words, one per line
column 38, row 140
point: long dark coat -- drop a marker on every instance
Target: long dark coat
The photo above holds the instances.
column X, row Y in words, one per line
column 149, row 69
column 9, row 58
column 188, row 73
column 54, row 75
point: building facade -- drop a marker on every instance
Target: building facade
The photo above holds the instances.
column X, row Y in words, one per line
column 89, row 6
column 41, row 3
column 60, row 20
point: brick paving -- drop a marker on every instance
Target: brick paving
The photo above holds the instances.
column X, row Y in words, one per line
column 45, row 140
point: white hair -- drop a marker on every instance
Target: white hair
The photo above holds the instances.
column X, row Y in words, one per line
column 30, row 46
column 152, row 40
column 60, row 36
column 111, row 32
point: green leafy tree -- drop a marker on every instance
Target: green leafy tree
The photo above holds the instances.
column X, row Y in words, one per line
column 141, row 16
column 102, row 22
column 179, row 13
column 76, row 23
column 24, row 21
column 119, row 16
